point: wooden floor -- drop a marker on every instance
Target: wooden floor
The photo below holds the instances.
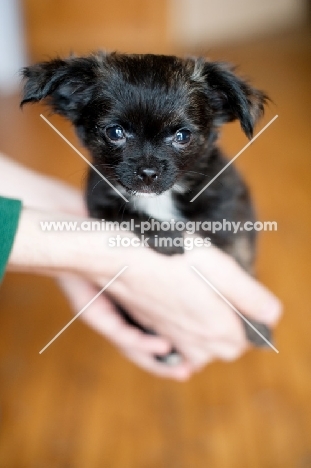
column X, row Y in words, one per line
column 81, row 405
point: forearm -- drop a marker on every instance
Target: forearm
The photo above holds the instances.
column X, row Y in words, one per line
column 38, row 190
column 53, row 252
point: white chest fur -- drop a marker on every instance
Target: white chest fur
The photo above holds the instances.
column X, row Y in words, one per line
column 160, row 207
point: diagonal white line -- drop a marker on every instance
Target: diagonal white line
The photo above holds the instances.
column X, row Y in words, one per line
column 235, row 310
column 83, row 157
column 235, row 157
column 82, row 310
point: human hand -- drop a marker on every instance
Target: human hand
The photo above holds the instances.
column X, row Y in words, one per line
column 103, row 317
column 200, row 325
column 162, row 293
column 166, row 295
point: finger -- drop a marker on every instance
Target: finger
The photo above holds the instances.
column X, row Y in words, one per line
column 147, row 362
column 255, row 301
column 227, row 351
column 103, row 317
column 198, row 357
column 245, row 293
column 222, row 323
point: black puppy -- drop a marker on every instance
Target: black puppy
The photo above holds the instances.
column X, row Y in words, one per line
column 151, row 124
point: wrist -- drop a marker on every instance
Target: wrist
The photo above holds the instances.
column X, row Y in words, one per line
column 54, row 251
column 34, row 249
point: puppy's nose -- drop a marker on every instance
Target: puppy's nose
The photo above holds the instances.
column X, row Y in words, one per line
column 147, row 175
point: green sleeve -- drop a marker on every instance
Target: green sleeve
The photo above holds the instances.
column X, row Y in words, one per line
column 9, row 215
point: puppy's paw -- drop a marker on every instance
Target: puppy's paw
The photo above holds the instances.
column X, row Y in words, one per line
column 254, row 338
column 173, row 358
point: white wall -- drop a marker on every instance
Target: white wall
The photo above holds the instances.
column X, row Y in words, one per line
column 12, row 45
column 193, row 22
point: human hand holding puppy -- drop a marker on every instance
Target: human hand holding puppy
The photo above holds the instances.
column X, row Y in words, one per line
column 163, row 293
column 188, row 314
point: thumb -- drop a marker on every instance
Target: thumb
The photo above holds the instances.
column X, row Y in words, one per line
column 246, row 294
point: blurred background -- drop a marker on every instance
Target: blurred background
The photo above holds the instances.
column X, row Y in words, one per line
column 81, row 404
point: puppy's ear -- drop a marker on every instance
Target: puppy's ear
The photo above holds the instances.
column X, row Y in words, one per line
column 233, row 98
column 67, row 84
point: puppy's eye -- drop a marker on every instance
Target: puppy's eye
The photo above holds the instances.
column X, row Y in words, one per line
column 115, row 133
column 182, row 136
